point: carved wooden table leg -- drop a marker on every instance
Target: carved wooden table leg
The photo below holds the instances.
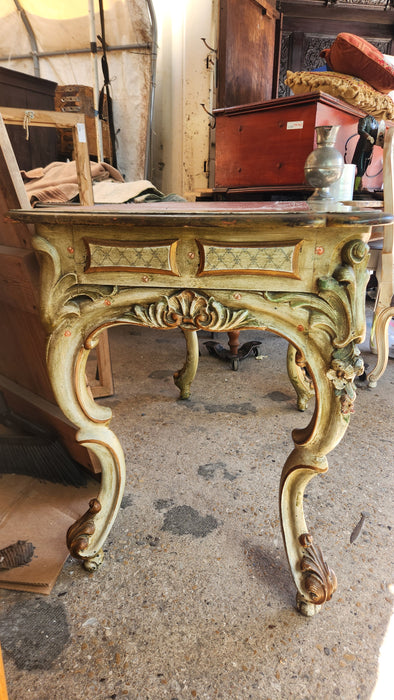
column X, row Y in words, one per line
column 334, row 402
column 315, row 581
column 67, row 357
column 329, row 348
column 183, row 378
column 380, row 330
column 324, row 329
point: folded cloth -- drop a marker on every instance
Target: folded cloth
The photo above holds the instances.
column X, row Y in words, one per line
column 114, row 192
column 111, row 192
column 58, row 182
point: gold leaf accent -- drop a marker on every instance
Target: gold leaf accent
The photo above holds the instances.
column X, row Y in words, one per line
column 189, row 310
column 79, row 533
column 320, row 581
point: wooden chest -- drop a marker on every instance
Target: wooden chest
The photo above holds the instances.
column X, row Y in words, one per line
column 263, row 146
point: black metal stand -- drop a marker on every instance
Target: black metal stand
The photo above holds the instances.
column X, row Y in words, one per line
column 246, row 350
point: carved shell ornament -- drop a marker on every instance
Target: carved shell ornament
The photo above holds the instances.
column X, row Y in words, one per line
column 189, row 310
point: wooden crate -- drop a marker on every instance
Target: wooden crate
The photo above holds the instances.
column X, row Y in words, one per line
column 79, row 98
column 264, row 146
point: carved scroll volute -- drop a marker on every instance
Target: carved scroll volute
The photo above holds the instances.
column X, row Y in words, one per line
column 354, row 272
column 79, row 533
column 319, row 580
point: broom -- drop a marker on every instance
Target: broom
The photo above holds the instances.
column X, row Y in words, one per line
column 30, row 450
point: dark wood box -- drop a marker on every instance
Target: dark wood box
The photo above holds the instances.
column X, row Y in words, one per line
column 263, row 146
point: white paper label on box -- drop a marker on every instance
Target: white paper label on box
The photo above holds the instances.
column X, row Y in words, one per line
column 295, row 125
column 81, row 132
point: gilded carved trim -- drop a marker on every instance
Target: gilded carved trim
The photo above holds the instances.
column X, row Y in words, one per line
column 79, row 533
column 319, row 580
column 189, row 310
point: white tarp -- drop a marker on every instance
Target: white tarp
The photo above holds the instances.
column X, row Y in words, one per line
column 65, row 27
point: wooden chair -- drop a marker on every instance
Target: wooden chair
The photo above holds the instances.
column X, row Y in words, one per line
column 383, row 262
column 76, row 122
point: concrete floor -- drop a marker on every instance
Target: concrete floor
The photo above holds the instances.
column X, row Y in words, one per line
column 194, row 598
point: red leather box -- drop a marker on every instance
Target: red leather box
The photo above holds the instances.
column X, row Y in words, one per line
column 263, row 146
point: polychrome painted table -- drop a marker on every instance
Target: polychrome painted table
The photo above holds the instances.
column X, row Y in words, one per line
column 218, row 267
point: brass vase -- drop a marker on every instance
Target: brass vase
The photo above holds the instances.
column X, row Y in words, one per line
column 323, row 167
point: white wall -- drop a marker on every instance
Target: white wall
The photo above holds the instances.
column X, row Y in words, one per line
column 181, row 128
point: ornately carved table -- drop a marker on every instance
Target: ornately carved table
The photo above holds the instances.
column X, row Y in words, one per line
column 217, row 267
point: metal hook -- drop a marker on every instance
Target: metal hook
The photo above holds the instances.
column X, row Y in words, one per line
column 209, row 114
column 207, row 45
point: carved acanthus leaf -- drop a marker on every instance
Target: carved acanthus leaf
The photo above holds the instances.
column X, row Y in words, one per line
column 61, row 295
column 189, row 310
column 319, row 580
column 337, row 308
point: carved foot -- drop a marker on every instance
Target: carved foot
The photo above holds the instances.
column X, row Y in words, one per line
column 314, row 580
column 80, row 532
column 319, row 581
column 183, row 385
column 305, row 608
column 93, row 563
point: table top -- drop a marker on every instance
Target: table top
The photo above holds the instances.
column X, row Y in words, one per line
column 194, row 213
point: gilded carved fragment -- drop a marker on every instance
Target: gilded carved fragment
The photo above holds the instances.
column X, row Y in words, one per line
column 320, row 581
column 79, row 533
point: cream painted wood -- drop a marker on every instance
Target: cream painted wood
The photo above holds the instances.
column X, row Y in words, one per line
column 218, row 267
column 384, row 310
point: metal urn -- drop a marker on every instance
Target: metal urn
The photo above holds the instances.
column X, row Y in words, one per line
column 323, row 167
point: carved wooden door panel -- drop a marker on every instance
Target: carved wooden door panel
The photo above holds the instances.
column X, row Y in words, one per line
column 309, row 28
column 249, row 40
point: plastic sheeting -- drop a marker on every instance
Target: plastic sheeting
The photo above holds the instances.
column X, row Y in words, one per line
column 63, row 28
